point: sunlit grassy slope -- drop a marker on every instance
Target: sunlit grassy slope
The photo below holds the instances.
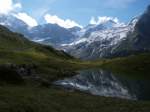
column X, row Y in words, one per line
column 16, row 49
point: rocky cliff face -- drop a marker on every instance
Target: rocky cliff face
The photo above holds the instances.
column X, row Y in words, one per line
column 137, row 41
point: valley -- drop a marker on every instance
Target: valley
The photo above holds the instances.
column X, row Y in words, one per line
column 100, row 67
column 21, row 91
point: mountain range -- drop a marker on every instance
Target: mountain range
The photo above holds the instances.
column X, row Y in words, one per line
column 115, row 40
column 28, row 69
column 51, row 34
column 101, row 42
column 104, row 40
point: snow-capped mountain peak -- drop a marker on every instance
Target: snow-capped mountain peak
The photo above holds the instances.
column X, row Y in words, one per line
column 100, row 40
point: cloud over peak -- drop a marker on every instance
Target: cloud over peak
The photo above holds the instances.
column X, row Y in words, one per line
column 104, row 19
column 9, row 7
column 53, row 19
column 27, row 19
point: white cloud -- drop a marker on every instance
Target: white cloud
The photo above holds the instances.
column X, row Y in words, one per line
column 27, row 19
column 18, row 5
column 118, row 3
column 53, row 19
column 7, row 6
column 104, row 19
column 93, row 21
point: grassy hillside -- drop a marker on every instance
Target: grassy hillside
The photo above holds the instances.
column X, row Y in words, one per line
column 15, row 42
column 15, row 49
column 134, row 65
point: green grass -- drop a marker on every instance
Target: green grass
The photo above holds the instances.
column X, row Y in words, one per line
column 132, row 65
column 28, row 99
column 48, row 66
column 32, row 97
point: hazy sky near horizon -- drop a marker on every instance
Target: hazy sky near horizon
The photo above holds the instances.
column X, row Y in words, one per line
column 79, row 12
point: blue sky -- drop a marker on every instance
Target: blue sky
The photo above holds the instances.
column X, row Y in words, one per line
column 81, row 11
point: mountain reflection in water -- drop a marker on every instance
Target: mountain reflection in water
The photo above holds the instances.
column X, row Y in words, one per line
column 104, row 83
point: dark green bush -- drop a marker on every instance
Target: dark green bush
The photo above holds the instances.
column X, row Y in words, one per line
column 9, row 75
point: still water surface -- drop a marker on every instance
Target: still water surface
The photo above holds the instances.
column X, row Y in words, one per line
column 105, row 83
